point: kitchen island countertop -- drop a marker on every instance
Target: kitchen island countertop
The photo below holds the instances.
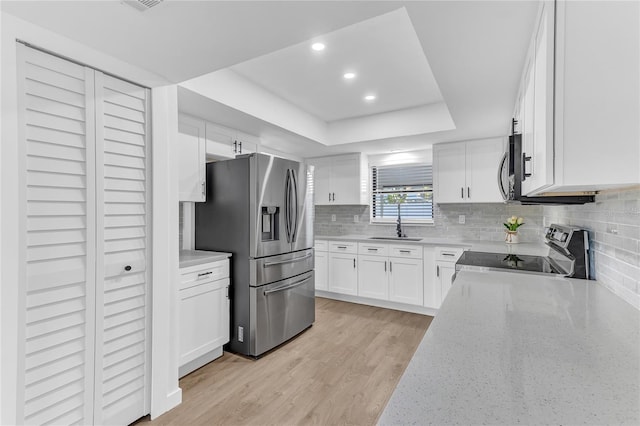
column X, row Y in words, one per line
column 510, row 348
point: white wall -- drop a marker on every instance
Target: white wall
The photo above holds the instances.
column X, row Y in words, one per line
column 164, row 379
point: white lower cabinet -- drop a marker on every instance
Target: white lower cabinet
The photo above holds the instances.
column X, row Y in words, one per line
column 390, row 272
column 321, row 268
column 405, row 274
column 444, row 276
column 432, row 288
column 373, row 279
column 446, row 258
column 204, row 314
column 343, row 273
column 405, row 280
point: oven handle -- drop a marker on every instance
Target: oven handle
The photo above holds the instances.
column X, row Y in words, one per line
column 282, row 262
column 287, row 287
column 500, row 182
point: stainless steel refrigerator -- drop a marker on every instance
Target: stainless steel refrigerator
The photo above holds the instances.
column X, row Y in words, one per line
column 260, row 209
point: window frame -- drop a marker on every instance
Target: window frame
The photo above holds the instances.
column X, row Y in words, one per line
column 388, row 221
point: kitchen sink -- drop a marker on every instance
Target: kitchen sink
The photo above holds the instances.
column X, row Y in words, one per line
column 395, row 238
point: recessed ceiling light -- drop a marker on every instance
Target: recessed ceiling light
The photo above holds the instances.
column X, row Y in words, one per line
column 317, row 46
column 370, row 97
column 349, row 75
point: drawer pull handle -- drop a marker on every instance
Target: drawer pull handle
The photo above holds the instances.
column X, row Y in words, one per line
column 372, row 249
column 405, row 251
column 448, row 254
column 342, row 247
column 202, row 274
column 127, row 268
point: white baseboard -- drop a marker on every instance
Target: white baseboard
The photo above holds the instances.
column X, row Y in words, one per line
column 378, row 303
column 174, row 398
column 199, row 362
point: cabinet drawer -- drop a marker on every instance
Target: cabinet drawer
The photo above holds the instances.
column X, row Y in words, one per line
column 406, row 251
column 373, row 249
column 448, row 254
column 343, row 247
column 200, row 274
column 321, row 245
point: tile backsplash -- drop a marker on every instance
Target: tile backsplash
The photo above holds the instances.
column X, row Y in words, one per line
column 614, row 225
column 482, row 222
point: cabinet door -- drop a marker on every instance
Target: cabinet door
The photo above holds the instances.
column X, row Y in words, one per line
column 322, row 186
column 541, row 150
column 321, row 269
column 343, row 273
column 204, row 319
column 483, row 159
column 191, row 159
column 373, row 279
column 122, row 257
column 432, row 288
column 345, row 180
column 405, row 280
column 445, row 271
column 220, row 142
column 245, row 144
column 527, row 130
column 450, row 182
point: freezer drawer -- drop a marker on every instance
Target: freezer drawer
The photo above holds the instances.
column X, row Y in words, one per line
column 274, row 268
column 283, row 309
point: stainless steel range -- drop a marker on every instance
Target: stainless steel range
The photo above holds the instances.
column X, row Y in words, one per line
column 568, row 256
column 260, row 208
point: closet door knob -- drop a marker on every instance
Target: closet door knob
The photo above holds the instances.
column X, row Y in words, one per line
column 127, row 268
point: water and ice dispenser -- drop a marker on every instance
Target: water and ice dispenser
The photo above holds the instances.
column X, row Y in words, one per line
column 270, row 219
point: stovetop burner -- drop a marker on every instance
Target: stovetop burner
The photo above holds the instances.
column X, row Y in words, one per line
column 515, row 262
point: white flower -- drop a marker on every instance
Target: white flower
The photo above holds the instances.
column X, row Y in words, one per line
column 520, row 220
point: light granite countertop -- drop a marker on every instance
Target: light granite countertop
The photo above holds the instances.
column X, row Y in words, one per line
column 510, row 348
column 534, row 249
column 200, row 257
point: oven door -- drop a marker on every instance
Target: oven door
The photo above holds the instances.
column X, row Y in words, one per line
column 283, row 309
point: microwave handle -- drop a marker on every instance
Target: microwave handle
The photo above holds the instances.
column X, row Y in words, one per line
column 503, row 164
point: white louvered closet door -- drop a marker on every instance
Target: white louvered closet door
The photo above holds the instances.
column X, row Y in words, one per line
column 83, row 316
column 122, row 319
column 56, row 111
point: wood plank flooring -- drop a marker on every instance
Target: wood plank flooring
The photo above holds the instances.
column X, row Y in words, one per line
column 342, row 370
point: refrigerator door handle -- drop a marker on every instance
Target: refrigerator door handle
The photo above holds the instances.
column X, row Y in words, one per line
column 294, row 222
column 287, row 219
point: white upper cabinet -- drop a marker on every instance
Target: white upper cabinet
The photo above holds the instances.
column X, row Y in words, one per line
column 580, row 96
column 224, row 143
column 466, row 172
column 200, row 141
column 449, row 173
column 340, row 179
column 191, row 158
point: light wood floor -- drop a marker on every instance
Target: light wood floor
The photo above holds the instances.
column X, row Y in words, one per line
column 342, row 370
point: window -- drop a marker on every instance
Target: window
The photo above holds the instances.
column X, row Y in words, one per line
column 407, row 189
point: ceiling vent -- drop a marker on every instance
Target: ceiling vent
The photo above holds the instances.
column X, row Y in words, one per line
column 142, row 5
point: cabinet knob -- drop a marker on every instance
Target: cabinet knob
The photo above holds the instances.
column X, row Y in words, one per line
column 127, row 268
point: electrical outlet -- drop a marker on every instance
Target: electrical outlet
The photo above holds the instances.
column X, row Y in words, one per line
column 240, row 334
column 461, row 219
column 333, row 218
column 356, row 218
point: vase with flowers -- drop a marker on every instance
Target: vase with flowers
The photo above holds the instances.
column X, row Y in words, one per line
column 512, row 225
